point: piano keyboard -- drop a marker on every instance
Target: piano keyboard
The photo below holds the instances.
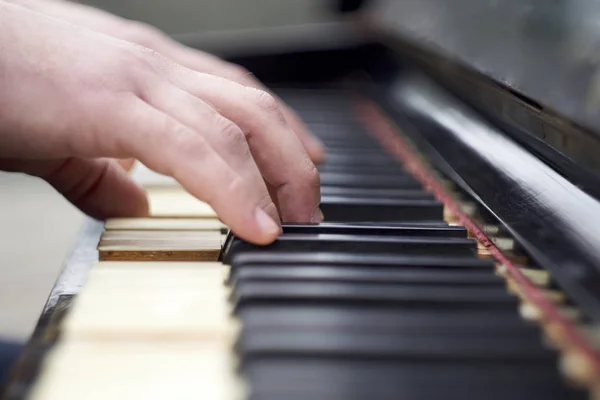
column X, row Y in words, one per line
column 388, row 298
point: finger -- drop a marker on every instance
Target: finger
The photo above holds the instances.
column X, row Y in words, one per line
column 223, row 135
column 171, row 148
column 126, row 163
column 276, row 149
column 313, row 146
column 273, row 194
column 99, row 187
column 202, row 62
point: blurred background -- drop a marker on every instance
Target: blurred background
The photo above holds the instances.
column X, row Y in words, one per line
column 38, row 227
column 191, row 16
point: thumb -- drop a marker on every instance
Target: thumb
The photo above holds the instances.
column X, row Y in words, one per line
column 101, row 188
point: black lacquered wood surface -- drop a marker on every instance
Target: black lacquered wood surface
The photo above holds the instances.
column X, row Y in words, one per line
column 546, row 50
column 369, row 307
column 555, row 221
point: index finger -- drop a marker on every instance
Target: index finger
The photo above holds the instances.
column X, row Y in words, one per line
column 278, row 152
column 169, row 147
column 203, row 62
column 312, row 145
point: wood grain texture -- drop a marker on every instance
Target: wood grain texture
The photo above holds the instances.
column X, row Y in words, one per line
column 175, row 202
column 148, row 235
column 160, row 246
column 167, row 224
column 158, row 255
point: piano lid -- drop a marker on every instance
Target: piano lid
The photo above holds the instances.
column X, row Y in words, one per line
column 546, row 50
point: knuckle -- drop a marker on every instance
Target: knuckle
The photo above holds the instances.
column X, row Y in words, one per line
column 229, row 131
column 184, row 143
column 142, row 34
column 113, row 107
column 141, row 58
column 137, row 58
column 266, row 101
column 132, row 67
column 122, row 100
column 237, row 187
column 311, row 176
column 267, row 104
column 266, row 203
column 143, row 68
column 118, row 71
column 237, row 71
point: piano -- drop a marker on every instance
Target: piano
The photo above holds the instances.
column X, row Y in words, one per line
column 460, row 253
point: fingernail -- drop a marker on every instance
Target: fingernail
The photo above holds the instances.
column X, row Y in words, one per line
column 317, row 216
column 316, row 145
column 315, row 148
column 266, row 223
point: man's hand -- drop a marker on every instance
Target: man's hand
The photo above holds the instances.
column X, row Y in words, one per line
column 152, row 38
column 72, row 99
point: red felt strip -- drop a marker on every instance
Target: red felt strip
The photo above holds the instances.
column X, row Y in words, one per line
column 378, row 125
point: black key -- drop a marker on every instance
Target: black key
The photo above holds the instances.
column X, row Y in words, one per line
column 414, row 228
column 344, row 141
column 315, row 266
column 362, row 153
column 355, row 244
column 379, row 210
column 315, row 98
column 362, row 260
column 348, row 138
column 400, row 223
column 359, row 159
column 360, row 169
column 343, row 134
column 399, row 181
column 406, row 295
column 396, row 346
column 555, row 390
column 304, row 378
column 327, row 116
column 351, row 146
column 338, row 273
column 480, row 372
column 344, row 129
column 384, row 319
column 351, row 229
column 334, row 191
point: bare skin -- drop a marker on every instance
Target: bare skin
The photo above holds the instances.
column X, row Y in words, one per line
column 152, row 38
column 73, row 100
